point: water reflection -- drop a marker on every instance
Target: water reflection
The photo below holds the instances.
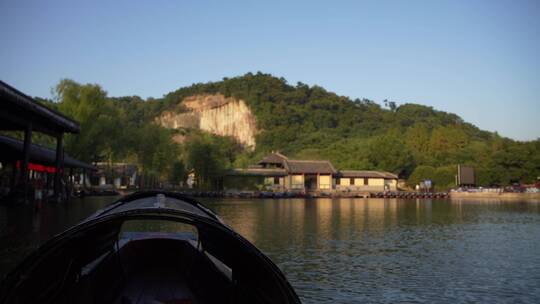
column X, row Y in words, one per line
column 352, row 250
column 388, row 250
column 23, row 228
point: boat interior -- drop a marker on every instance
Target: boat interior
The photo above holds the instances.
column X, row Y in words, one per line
column 149, row 257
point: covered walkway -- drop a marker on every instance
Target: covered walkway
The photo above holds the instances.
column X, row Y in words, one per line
column 19, row 112
column 12, row 149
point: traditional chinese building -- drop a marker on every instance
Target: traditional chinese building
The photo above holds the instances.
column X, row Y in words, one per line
column 276, row 172
column 120, row 175
column 20, row 112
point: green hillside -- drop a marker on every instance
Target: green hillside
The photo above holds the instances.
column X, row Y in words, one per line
column 413, row 140
column 302, row 121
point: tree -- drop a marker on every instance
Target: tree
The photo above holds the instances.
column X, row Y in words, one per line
column 443, row 178
column 421, row 173
column 178, row 172
column 390, row 104
column 446, row 142
column 417, row 139
column 206, row 159
column 99, row 121
column 155, row 150
column 388, row 152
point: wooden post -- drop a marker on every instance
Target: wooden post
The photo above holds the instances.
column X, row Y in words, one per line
column 71, row 183
column 13, row 180
column 59, row 161
column 26, row 159
column 84, row 178
column 48, row 185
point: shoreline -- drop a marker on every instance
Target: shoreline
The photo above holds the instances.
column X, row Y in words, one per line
column 494, row 195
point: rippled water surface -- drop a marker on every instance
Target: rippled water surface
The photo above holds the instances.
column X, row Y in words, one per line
column 358, row 250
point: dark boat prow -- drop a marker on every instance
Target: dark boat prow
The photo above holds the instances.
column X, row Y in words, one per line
column 148, row 247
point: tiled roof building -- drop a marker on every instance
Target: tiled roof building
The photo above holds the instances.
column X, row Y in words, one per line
column 279, row 173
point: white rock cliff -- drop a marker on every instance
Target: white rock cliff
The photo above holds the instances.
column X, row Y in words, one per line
column 215, row 114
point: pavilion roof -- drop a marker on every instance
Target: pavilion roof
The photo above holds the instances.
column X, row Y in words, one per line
column 294, row 166
column 365, row 173
column 12, row 150
column 257, row 172
column 274, row 158
column 17, row 110
column 310, row 167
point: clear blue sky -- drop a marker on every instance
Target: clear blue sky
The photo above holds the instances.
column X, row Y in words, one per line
column 479, row 59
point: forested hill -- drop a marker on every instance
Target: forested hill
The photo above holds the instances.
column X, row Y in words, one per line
column 301, row 121
column 413, row 140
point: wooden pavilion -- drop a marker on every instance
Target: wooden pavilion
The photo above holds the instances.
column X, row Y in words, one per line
column 20, row 112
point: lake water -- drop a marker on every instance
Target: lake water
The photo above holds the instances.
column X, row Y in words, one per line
column 357, row 250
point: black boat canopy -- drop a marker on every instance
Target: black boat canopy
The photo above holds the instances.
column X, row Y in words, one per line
column 54, row 267
column 157, row 201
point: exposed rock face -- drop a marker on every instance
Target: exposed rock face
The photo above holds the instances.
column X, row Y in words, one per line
column 215, row 114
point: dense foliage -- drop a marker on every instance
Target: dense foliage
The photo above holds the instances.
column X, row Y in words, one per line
column 116, row 129
column 310, row 122
column 209, row 156
column 302, row 121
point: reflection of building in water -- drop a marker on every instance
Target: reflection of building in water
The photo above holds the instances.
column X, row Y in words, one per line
column 380, row 214
column 349, row 216
column 325, row 217
column 345, row 216
column 391, row 211
column 340, row 217
column 242, row 217
column 287, row 213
